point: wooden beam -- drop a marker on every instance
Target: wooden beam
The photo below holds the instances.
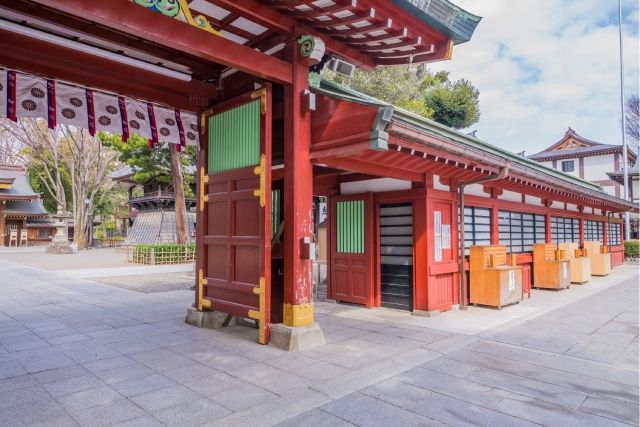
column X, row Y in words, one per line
column 127, row 17
column 56, row 62
column 269, row 17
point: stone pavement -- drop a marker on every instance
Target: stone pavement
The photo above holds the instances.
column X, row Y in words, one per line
column 74, row 352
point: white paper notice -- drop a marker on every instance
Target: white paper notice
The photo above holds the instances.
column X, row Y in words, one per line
column 437, row 235
column 438, row 248
column 446, row 236
column 564, row 270
column 512, row 280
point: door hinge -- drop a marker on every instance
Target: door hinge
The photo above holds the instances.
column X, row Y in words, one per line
column 261, row 170
column 204, row 180
column 262, row 94
column 260, row 315
column 202, row 301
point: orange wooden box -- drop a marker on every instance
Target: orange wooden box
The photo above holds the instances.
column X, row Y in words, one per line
column 492, row 281
column 579, row 265
column 600, row 260
column 549, row 270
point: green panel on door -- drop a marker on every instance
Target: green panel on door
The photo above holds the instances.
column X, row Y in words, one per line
column 275, row 212
column 234, row 138
column 350, row 227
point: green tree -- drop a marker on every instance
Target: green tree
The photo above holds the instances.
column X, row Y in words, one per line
column 161, row 164
column 151, row 164
column 35, row 174
column 428, row 94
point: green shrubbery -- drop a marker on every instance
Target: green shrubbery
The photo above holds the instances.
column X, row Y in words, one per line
column 163, row 253
column 632, row 249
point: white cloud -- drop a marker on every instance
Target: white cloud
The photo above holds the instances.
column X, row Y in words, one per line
column 542, row 66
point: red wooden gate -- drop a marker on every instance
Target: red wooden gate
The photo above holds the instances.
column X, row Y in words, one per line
column 351, row 278
column 234, row 209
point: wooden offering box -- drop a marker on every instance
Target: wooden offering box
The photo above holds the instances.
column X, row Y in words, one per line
column 492, row 281
column 579, row 265
column 550, row 271
column 599, row 258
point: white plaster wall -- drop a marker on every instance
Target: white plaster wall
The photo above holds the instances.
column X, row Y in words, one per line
column 511, row 196
column 572, row 207
column 557, row 205
column 635, row 190
column 610, row 189
column 475, row 190
column 532, row 200
column 597, row 211
column 374, row 185
column 438, row 185
column 576, row 166
column 596, row 167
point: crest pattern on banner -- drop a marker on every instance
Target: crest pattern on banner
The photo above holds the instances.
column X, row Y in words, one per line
column 24, row 95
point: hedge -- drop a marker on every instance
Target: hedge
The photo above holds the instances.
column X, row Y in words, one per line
column 632, row 249
column 163, row 253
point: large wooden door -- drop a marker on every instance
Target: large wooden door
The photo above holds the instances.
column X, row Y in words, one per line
column 234, row 209
column 351, row 278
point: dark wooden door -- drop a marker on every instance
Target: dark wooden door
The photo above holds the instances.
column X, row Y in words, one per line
column 351, row 278
column 234, row 222
column 396, row 255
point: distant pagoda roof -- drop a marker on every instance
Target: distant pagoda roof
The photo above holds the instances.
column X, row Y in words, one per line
column 573, row 145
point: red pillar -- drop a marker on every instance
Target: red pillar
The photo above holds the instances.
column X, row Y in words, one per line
column 298, row 196
column 581, row 225
column 548, row 227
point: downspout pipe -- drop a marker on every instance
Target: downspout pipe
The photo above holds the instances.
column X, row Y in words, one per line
column 606, row 243
column 502, row 173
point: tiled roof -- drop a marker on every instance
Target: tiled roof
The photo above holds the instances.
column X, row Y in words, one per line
column 25, row 208
column 576, row 151
column 484, row 149
column 20, row 187
column 157, row 227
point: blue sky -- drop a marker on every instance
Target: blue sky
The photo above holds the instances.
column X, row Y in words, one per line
column 542, row 66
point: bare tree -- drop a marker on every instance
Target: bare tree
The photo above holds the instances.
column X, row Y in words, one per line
column 632, row 115
column 9, row 148
column 42, row 146
column 89, row 164
column 67, row 150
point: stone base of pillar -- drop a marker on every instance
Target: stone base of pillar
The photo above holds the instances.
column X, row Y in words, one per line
column 207, row 319
column 58, row 248
column 296, row 338
column 426, row 313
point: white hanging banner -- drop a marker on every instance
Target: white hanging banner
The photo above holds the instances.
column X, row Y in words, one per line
column 71, row 106
column 24, row 95
column 167, row 125
column 3, row 92
column 31, row 96
column 106, row 113
column 190, row 125
column 138, row 118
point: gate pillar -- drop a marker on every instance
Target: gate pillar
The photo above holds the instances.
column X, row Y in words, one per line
column 298, row 209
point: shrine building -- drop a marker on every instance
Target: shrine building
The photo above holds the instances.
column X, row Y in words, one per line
column 239, row 80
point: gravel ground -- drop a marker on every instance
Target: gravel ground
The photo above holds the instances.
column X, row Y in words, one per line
column 150, row 282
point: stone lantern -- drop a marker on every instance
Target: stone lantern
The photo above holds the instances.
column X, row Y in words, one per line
column 60, row 243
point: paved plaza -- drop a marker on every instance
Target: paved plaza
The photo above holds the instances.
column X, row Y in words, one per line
column 76, row 352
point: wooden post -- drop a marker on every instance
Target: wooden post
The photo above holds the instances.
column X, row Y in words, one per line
column 178, row 192
column 298, row 196
column 2, row 222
